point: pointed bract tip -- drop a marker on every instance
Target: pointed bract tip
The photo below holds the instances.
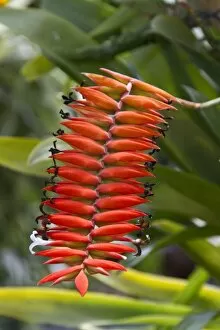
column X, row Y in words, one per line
column 81, row 282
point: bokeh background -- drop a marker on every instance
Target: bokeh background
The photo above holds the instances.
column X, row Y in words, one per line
column 44, row 45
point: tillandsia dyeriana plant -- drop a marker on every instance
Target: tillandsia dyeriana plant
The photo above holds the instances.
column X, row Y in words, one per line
column 112, row 142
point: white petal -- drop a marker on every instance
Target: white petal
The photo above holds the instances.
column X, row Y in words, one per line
column 37, row 241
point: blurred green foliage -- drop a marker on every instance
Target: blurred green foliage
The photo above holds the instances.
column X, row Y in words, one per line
column 173, row 45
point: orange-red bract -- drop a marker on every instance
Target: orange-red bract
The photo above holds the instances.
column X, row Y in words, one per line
column 89, row 217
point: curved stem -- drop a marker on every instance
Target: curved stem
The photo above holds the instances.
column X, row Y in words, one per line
column 210, row 103
column 194, row 105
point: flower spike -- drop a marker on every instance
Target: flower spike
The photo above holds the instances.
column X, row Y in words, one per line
column 90, row 219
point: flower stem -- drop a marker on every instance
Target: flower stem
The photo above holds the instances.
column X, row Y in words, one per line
column 197, row 106
column 210, row 104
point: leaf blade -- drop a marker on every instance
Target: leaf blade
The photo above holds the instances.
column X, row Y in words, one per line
column 15, row 152
column 65, row 307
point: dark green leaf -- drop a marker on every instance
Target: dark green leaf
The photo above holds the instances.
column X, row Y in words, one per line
column 116, row 21
column 146, row 6
column 209, row 65
column 185, row 235
column 191, row 186
column 196, row 147
column 59, row 36
column 164, row 25
column 59, row 40
column 84, row 14
column 171, row 204
column 177, row 32
column 185, row 147
column 211, row 115
column 187, row 78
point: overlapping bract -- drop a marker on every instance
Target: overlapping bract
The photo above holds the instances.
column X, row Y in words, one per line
column 95, row 189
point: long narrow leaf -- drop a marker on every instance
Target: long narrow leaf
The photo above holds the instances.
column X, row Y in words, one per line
column 159, row 287
column 67, row 308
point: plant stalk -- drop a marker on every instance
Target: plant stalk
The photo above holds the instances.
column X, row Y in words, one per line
column 198, row 106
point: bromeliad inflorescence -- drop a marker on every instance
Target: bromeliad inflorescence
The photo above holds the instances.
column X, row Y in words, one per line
column 95, row 189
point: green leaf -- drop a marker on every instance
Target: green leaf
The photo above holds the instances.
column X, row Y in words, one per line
column 195, row 145
column 158, row 287
column 174, row 29
column 152, row 55
column 58, row 39
column 206, row 63
column 116, row 21
column 171, row 204
column 40, row 152
column 67, row 308
column 188, row 78
column 36, row 67
column 185, row 235
column 192, row 187
column 196, row 321
column 195, row 282
column 211, row 117
column 15, row 152
column 146, row 6
column 210, row 260
column 185, row 147
column 175, row 154
column 85, row 14
column 129, row 15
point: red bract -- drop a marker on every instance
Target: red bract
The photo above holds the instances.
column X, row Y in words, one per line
column 97, row 184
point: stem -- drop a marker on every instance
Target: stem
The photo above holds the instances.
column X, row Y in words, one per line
column 198, row 106
column 117, row 45
column 210, row 103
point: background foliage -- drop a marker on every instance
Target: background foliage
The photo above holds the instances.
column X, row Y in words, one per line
column 174, row 45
